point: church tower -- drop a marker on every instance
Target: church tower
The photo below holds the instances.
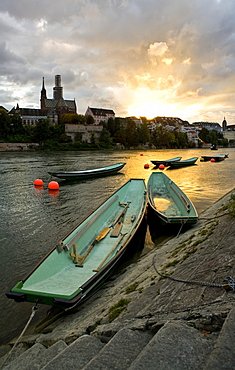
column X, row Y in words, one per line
column 58, row 89
column 43, row 95
column 224, row 125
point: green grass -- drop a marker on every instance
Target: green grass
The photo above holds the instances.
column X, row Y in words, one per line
column 132, row 287
column 115, row 310
column 231, row 206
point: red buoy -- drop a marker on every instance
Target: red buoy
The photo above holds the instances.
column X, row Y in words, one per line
column 141, row 154
column 53, row 185
column 146, row 165
column 161, row 167
column 38, row 182
column 212, row 159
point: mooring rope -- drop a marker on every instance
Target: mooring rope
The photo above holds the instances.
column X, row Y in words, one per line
column 229, row 282
column 34, row 310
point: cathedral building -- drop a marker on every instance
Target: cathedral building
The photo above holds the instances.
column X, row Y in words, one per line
column 58, row 105
column 51, row 109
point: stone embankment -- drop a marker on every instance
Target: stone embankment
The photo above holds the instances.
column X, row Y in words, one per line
column 18, row 147
column 160, row 323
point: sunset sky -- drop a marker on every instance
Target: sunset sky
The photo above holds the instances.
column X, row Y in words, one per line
column 138, row 57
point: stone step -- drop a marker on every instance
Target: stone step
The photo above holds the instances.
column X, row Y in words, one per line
column 76, row 355
column 120, row 351
column 223, row 355
column 175, row 346
column 36, row 357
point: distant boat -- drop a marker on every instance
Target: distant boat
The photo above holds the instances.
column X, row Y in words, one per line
column 75, row 268
column 166, row 162
column 217, row 158
column 94, row 172
column 184, row 163
column 214, row 147
column 169, row 202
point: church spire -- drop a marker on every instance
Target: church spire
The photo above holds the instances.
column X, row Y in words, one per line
column 43, row 94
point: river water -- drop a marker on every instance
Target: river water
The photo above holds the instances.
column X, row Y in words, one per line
column 33, row 220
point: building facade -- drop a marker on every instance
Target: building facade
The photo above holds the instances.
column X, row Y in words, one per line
column 82, row 132
column 100, row 114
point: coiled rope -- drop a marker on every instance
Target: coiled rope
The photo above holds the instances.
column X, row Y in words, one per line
column 229, row 282
column 34, row 310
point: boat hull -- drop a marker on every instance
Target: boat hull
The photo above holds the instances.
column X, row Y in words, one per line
column 169, row 202
column 166, row 162
column 216, row 158
column 96, row 172
column 185, row 163
column 64, row 278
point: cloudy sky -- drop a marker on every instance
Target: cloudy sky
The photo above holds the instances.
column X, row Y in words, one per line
column 138, row 57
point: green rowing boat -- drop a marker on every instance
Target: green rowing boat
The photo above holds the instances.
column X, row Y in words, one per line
column 75, row 268
column 169, row 202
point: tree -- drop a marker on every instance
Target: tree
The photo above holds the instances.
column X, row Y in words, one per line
column 143, row 133
column 5, row 124
column 131, row 134
column 42, row 130
column 182, row 140
column 90, row 120
column 73, row 118
column 105, row 139
column 204, row 135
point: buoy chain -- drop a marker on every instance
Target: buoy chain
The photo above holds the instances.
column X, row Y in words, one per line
column 229, row 281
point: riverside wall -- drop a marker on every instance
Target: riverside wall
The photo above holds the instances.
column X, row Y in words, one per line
column 18, row 147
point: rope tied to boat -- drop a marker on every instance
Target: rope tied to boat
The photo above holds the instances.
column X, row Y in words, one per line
column 229, row 282
column 34, row 310
column 183, row 222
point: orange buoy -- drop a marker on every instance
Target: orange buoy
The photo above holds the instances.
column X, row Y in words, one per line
column 53, row 185
column 161, row 167
column 212, row 159
column 146, row 165
column 38, row 182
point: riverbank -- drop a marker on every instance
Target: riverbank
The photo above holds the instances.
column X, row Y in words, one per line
column 18, row 147
column 140, row 320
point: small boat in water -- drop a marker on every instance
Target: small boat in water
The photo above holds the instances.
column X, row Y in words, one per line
column 94, row 172
column 75, row 268
column 184, row 163
column 166, row 162
column 169, row 202
column 217, row 157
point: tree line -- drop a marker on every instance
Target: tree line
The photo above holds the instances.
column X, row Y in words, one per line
column 122, row 131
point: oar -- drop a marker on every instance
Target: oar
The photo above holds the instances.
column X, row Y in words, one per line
column 110, row 252
column 119, row 222
column 99, row 237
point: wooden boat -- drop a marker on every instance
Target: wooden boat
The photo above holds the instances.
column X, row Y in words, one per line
column 94, row 172
column 75, row 268
column 166, row 162
column 168, row 201
column 184, row 163
column 217, row 157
